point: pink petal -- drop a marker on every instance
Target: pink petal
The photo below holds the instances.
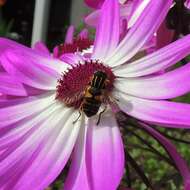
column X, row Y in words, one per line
column 1, row 68
column 96, row 4
column 84, row 33
column 164, row 36
column 124, row 28
column 72, row 59
column 56, row 51
column 168, row 85
column 137, row 7
column 70, row 35
column 179, row 161
column 24, row 69
column 39, row 58
column 187, row 4
column 14, row 110
column 107, row 36
column 41, row 47
column 33, row 91
column 40, row 157
column 10, row 134
column 10, row 86
column 165, row 113
column 98, row 161
column 141, row 32
column 77, row 177
column 93, row 18
column 187, row 185
column 150, row 46
column 157, row 61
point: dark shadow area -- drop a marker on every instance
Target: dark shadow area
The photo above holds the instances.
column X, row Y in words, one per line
column 20, row 13
column 58, row 21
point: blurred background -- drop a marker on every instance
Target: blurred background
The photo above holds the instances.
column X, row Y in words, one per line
column 45, row 20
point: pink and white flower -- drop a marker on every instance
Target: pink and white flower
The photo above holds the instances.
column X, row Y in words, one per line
column 36, row 126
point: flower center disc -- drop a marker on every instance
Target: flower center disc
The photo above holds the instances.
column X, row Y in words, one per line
column 71, row 87
column 79, row 44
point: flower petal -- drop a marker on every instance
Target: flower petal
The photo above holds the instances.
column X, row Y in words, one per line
column 159, row 60
column 10, row 134
column 187, row 4
column 165, row 113
column 14, row 110
column 141, row 32
column 164, row 35
column 39, row 59
column 40, row 157
column 41, row 47
column 137, row 8
column 70, row 35
column 72, row 58
column 78, row 170
column 93, row 18
column 168, row 85
column 84, row 34
column 107, row 36
column 98, row 158
column 23, row 68
column 10, row 86
column 1, row 68
column 96, row 4
column 179, row 161
column 105, row 154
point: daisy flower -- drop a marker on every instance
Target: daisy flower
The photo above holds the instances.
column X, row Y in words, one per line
column 39, row 125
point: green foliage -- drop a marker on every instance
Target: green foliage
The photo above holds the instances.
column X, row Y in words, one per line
column 162, row 175
column 5, row 28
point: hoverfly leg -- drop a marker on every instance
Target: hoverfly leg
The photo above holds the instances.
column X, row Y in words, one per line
column 77, row 118
column 100, row 114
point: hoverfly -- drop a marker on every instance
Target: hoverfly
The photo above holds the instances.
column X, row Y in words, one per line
column 94, row 95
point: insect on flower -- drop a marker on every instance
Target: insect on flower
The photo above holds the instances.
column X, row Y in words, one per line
column 94, row 95
column 44, row 94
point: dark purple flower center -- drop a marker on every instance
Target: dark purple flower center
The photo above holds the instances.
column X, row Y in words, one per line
column 72, row 85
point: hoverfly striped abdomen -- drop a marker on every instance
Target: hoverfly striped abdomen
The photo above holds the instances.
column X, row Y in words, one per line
column 93, row 96
column 90, row 106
